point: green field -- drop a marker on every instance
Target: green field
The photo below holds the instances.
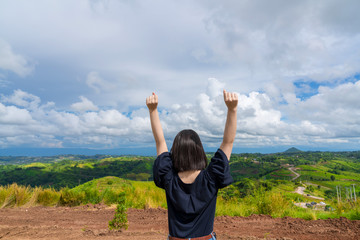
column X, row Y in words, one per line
column 262, row 183
column 274, row 198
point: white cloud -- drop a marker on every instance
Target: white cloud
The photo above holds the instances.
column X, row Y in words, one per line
column 13, row 62
column 257, row 115
column 118, row 52
column 329, row 117
column 23, row 99
column 338, row 105
column 95, row 82
column 126, row 47
column 215, row 87
column 14, row 116
column 84, row 105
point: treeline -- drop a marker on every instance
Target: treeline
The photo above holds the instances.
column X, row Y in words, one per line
column 5, row 160
column 249, row 187
column 75, row 171
column 69, row 173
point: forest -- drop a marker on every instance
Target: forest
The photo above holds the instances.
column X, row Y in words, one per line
column 324, row 168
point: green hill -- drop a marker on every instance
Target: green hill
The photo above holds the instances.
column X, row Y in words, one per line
column 293, row 150
column 139, row 194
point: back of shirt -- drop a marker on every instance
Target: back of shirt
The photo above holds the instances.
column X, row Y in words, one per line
column 191, row 207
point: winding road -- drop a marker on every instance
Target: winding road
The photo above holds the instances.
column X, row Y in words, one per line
column 291, row 169
column 300, row 190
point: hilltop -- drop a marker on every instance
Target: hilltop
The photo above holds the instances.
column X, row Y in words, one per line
column 293, row 150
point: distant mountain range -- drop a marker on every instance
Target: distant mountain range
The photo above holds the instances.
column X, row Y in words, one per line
column 75, row 151
column 141, row 151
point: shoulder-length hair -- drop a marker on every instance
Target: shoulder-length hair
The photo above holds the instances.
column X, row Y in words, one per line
column 187, row 152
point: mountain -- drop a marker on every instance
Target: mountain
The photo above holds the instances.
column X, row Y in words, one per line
column 293, row 150
column 37, row 152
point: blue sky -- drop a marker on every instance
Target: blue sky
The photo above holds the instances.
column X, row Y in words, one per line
column 75, row 74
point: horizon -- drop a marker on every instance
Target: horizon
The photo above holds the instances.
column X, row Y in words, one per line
column 151, row 151
column 80, row 77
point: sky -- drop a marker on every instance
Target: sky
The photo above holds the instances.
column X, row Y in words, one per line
column 75, row 74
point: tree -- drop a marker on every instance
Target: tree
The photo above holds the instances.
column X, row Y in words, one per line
column 332, row 178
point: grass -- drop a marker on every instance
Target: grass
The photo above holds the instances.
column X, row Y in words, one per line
column 104, row 190
column 277, row 202
column 320, row 174
column 14, row 196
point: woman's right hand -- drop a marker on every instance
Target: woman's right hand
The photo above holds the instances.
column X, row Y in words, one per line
column 152, row 102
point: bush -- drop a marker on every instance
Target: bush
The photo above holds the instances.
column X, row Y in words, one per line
column 120, row 218
column 354, row 214
column 110, row 196
column 330, row 193
column 270, row 203
column 70, row 198
column 14, row 195
column 92, row 196
column 310, row 188
column 228, row 192
column 48, row 197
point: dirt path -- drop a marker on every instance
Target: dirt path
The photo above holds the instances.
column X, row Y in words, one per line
column 300, row 190
column 90, row 222
column 297, row 175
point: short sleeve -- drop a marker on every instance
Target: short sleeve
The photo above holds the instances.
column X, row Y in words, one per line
column 162, row 169
column 219, row 170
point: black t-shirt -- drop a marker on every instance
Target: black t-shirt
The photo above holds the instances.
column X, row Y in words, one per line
column 191, row 207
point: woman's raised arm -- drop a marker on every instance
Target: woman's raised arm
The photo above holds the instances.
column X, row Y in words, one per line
column 231, row 101
column 151, row 103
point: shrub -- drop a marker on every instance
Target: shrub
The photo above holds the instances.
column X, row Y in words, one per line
column 70, row 198
column 48, row 197
column 228, row 192
column 120, row 218
column 14, row 195
column 270, row 203
column 354, row 214
column 92, row 196
column 310, row 188
column 330, row 193
column 110, row 196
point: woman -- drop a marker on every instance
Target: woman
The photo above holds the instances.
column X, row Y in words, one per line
column 191, row 186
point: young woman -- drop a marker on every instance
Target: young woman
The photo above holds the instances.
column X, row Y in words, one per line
column 191, row 186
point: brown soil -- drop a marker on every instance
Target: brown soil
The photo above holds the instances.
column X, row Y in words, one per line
column 91, row 222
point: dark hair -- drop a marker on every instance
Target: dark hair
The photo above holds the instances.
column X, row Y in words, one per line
column 187, row 152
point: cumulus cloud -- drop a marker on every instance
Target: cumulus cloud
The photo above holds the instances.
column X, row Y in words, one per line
column 132, row 45
column 84, row 105
column 335, row 108
column 23, row 99
column 117, row 52
column 14, row 116
column 329, row 117
column 13, row 62
column 215, row 87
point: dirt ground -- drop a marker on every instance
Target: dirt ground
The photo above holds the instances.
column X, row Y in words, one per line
column 91, row 221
